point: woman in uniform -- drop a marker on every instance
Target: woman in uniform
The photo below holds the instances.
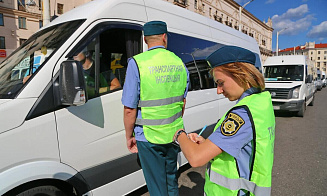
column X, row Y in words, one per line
column 240, row 150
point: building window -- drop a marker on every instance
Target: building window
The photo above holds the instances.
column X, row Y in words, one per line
column 60, row 8
column 21, row 41
column 195, row 4
column 325, row 52
column 318, row 57
column 40, row 4
column 318, row 64
column 311, row 53
column 318, row 52
column 1, row 19
column 325, row 57
column 181, row 3
column 2, row 43
column 324, row 63
column 236, row 26
column 40, row 24
column 209, row 11
column 22, row 22
column 21, row 5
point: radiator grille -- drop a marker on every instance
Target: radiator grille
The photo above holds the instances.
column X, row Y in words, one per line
column 279, row 93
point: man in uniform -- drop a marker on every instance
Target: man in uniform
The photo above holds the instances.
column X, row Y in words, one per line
column 107, row 80
column 154, row 100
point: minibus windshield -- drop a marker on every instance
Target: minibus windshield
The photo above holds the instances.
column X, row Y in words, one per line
column 23, row 63
column 284, row 73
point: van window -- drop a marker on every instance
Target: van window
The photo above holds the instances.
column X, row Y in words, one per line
column 31, row 55
column 284, row 73
column 103, row 54
column 193, row 52
column 200, row 69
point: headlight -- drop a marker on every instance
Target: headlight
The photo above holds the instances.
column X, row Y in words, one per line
column 296, row 93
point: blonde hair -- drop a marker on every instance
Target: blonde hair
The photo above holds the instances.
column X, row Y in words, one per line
column 244, row 74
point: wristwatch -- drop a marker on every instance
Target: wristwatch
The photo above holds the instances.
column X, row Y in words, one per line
column 177, row 134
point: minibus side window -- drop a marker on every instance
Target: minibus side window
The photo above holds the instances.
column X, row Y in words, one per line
column 200, row 69
column 104, row 57
column 194, row 77
column 193, row 51
column 206, row 78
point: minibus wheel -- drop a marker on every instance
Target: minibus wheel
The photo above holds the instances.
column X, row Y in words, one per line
column 302, row 110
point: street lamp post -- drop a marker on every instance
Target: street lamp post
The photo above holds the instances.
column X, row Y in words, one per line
column 277, row 40
column 46, row 11
column 240, row 12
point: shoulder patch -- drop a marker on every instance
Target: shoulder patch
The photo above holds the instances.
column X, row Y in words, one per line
column 231, row 124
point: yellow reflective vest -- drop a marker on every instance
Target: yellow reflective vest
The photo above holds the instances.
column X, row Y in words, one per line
column 163, row 80
column 222, row 176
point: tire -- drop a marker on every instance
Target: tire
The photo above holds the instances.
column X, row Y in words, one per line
column 43, row 191
column 312, row 101
column 302, row 110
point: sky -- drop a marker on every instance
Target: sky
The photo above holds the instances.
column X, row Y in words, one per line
column 304, row 20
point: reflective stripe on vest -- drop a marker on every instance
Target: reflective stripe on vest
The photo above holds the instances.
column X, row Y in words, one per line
column 158, row 121
column 160, row 102
column 223, row 172
column 163, row 81
column 237, row 184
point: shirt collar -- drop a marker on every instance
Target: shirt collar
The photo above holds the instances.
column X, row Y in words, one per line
column 248, row 92
column 154, row 47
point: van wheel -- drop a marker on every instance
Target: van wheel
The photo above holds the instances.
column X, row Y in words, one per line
column 302, row 110
column 312, row 101
column 43, row 191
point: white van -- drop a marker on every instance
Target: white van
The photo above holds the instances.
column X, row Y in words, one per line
column 289, row 80
column 318, row 80
column 52, row 140
column 323, row 79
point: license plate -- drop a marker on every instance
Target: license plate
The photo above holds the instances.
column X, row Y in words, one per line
column 276, row 107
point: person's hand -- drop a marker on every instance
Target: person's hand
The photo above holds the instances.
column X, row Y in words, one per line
column 131, row 145
column 79, row 57
column 196, row 138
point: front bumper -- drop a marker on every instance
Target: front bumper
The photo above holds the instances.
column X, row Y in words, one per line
column 292, row 106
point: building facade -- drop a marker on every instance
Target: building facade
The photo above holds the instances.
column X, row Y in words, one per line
column 315, row 52
column 16, row 25
column 19, row 19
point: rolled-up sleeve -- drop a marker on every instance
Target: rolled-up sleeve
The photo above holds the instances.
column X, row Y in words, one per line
column 131, row 89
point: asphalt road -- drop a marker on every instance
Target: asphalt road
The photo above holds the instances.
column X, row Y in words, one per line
column 300, row 163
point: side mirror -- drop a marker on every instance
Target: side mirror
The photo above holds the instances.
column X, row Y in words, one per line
column 308, row 79
column 72, row 83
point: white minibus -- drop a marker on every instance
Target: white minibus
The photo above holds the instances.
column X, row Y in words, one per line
column 323, row 78
column 59, row 134
column 289, row 79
